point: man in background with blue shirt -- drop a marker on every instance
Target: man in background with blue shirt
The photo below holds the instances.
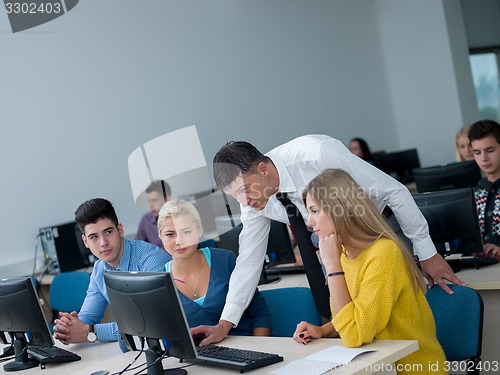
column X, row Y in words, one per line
column 103, row 235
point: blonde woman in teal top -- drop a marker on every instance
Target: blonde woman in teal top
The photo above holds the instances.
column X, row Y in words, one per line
column 202, row 275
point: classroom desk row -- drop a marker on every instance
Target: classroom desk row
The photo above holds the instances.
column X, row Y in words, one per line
column 485, row 280
column 107, row 356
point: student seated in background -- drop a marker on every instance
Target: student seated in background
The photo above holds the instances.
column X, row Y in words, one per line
column 202, row 275
column 359, row 147
column 376, row 289
column 463, row 150
column 103, row 235
column 484, row 138
column 157, row 193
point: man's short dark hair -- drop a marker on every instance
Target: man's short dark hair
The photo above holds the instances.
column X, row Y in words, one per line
column 233, row 158
column 91, row 211
column 161, row 187
column 484, row 128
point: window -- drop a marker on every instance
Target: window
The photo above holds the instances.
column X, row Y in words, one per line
column 485, row 74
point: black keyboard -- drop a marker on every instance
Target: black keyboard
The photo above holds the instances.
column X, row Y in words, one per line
column 284, row 270
column 45, row 354
column 239, row 359
column 457, row 264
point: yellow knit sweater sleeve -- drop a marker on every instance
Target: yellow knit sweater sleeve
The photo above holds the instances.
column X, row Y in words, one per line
column 385, row 305
column 375, row 280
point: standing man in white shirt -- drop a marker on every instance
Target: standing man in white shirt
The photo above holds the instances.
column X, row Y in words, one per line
column 254, row 180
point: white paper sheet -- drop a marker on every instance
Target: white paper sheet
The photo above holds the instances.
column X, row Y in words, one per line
column 320, row 362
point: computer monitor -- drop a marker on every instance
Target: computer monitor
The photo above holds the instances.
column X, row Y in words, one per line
column 279, row 246
column 452, row 219
column 22, row 317
column 450, row 176
column 64, row 249
column 146, row 304
column 399, row 164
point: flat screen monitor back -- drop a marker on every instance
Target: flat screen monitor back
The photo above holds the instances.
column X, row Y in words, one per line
column 279, row 244
column 66, row 242
column 141, row 301
column 399, row 164
column 451, row 233
column 450, row 176
column 22, row 316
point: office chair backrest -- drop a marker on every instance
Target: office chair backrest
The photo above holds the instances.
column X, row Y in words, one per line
column 459, row 321
column 68, row 290
column 288, row 307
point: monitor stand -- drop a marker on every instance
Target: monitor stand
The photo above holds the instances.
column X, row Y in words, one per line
column 22, row 361
column 154, row 354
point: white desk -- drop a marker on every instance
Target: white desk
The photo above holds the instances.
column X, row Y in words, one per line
column 108, row 356
column 485, row 280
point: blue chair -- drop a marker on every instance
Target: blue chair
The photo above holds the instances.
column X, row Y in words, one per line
column 35, row 282
column 68, row 291
column 288, row 307
column 459, row 323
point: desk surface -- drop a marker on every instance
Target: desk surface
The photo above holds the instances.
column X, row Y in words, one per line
column 485, row 278
column 107, row 356
column 46, row 278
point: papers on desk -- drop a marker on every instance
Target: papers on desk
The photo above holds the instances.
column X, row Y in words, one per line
column 322, row 361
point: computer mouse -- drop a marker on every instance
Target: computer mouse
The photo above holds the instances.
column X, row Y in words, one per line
column 100, row 372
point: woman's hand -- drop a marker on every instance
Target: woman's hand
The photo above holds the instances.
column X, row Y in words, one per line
column 305, row 332
column 330, row 251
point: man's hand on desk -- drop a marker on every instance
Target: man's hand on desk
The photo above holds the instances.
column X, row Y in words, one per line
column 436, row 270
column 212, row 334
column 69, row 329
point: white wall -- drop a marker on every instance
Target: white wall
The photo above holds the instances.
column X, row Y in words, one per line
column 424, row 88
column 79, row 94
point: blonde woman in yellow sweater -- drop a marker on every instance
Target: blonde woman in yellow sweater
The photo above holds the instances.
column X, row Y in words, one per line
column 376, row 290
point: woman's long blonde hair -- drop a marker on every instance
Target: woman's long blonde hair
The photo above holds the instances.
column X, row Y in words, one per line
column 354, row 215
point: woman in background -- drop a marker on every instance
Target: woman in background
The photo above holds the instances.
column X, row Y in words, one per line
column 359, row 147
column 376, row 290
column 463, row 149
column 202, row 275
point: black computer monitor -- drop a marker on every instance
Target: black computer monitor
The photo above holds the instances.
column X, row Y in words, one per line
column 279, row 247
column 63, row 245
column 452, row 219
column 399, row 164
column 22, row 317
column 450, row 176
column 146, row 304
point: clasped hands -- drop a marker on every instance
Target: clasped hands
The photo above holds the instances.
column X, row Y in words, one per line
column 69, row 329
